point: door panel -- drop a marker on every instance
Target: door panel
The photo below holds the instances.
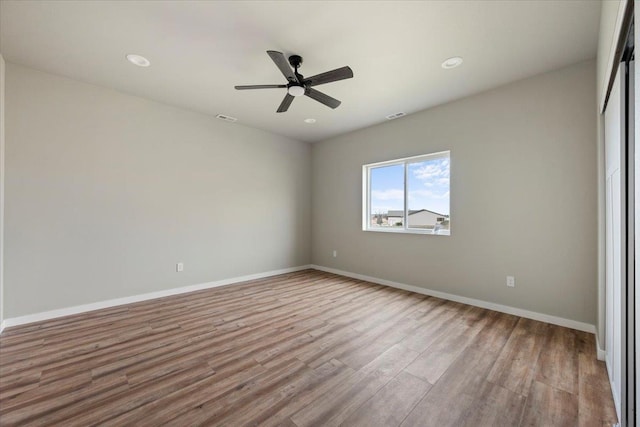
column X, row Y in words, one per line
column 615, row 241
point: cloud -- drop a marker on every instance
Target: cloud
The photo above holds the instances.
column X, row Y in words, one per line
column 430, row 171
column 375, row 209
column 391, row 194
column 422, row 194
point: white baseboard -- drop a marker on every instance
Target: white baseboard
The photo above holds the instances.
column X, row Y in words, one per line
column 36, row 317
column 600, row 353
column 614, row 390
column 573, row 324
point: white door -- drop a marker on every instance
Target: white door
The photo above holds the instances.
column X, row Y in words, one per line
column 614, row 120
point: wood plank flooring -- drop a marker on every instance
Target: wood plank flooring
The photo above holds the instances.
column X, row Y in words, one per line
column 301, row 349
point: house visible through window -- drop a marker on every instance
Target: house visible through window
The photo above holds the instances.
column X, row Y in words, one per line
column 408, row 195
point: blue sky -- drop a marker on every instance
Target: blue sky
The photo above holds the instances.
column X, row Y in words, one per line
column 428, row 187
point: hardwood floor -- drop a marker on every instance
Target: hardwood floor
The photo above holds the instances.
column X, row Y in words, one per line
column 301, row 349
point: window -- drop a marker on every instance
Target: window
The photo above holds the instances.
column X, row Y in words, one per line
column 408, row 195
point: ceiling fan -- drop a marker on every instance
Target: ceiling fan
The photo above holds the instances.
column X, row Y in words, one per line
column 298, row 85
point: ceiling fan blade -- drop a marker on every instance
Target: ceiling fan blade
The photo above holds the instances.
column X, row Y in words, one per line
column 284, row 105
column 330, row 76
column 282, row 64
column 260, row 87
column 322, row 98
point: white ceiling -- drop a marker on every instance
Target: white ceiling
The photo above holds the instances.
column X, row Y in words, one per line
column 200, row 50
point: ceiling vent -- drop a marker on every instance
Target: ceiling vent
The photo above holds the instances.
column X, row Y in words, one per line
column 395, row 116
column 226, row 118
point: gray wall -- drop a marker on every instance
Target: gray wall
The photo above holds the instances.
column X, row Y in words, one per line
column 106, row 192
column 523, row 197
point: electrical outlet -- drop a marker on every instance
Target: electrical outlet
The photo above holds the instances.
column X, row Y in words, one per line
column 335, row 253
column 511, row 281
column 180, row 267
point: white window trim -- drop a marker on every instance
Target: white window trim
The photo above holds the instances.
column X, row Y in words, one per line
column 366, row 200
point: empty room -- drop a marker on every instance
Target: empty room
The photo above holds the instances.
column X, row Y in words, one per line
column 319, row 213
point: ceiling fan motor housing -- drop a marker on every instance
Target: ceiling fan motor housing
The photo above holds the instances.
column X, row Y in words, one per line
column 295, row 61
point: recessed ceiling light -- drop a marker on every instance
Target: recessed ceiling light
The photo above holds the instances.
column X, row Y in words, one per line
column 138, row 60
column 310, row 121
column 452, row 62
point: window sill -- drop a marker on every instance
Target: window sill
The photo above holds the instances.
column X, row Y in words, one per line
column 408, row 231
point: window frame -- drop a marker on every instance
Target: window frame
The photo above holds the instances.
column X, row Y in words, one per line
column 366, row 191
